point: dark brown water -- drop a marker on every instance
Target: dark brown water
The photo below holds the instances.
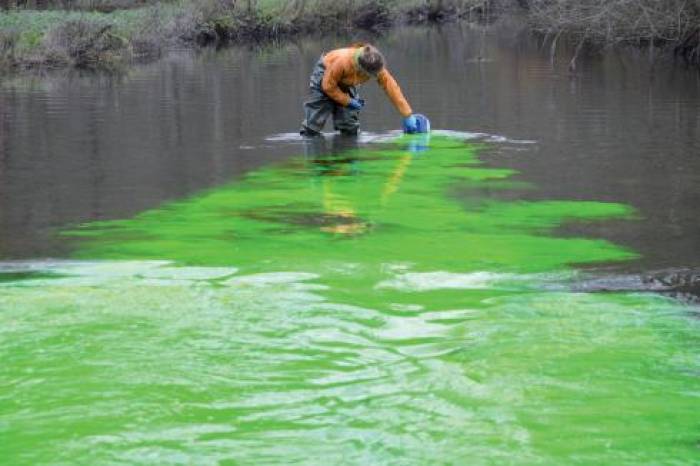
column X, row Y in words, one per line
column 83, row 148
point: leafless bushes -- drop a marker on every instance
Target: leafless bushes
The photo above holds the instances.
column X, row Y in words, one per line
column 94, row 42
column 85, row 44
column 208, row 21
column 151, row 36
column 351, row 14
column 105, row 6
column 614, row 21
column 445, row 10
column 227, row 20
column 8, row 44
column 606, row 22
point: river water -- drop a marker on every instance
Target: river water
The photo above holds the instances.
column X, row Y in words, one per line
column 183, row 280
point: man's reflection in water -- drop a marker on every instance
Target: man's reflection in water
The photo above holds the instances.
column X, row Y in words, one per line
column 329, row 158
column 338, row 156
column 331, row 155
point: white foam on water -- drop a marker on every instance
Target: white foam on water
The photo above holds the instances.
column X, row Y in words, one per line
column 425, row 281
column 74, row 267
column 442, row 280
column 387, row 136
column 471, row 136
column 189, row 273
column 91, row 273
column 363, row 137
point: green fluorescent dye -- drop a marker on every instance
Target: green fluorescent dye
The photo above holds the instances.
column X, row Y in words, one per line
column 372, row 207
column 375, row 306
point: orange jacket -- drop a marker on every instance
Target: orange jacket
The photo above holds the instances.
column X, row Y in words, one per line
column 342, row 70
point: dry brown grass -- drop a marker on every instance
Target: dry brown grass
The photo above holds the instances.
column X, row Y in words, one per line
column 85, row 44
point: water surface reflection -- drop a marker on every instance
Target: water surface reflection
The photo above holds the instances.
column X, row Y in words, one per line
column 99, row 148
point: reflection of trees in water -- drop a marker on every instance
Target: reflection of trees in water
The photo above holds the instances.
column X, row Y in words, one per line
column 28, row 170
column 4, row 153
column 84, row 148
column 169, row 129
column 4, row 129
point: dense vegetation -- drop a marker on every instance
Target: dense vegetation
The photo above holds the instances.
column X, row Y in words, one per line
column 668, row 24
column 106, row 33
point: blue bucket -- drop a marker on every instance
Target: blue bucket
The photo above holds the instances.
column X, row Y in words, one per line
column 422, row 123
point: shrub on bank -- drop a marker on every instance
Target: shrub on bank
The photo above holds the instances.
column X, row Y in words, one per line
column 8, row 45
column 85, row 44
column 53, row 37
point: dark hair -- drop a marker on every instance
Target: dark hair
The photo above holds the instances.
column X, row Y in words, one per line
column 371, row 60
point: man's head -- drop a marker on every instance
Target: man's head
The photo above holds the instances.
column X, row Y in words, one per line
column 370, row 60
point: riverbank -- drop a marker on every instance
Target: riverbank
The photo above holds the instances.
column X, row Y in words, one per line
column 109, row 34
column 41, row 39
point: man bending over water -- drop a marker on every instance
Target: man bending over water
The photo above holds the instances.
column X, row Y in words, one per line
column 334, row 84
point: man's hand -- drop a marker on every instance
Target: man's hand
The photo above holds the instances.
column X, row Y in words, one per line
column 410, row 125
column 356, row 104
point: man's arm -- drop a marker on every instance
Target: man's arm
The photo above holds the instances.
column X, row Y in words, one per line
column 333, row 75
column 392, row 89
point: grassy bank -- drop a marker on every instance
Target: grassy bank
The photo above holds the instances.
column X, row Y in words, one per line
column 111, row 33
column 55, row 38
column 105, row 34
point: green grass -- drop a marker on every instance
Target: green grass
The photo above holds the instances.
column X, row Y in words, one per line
column 34, row 25
column 37, row 37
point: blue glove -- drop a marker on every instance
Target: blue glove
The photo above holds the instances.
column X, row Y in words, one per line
column 356, row 104
column 410, row 125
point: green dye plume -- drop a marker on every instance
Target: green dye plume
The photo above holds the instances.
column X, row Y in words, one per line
column 372, row 306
